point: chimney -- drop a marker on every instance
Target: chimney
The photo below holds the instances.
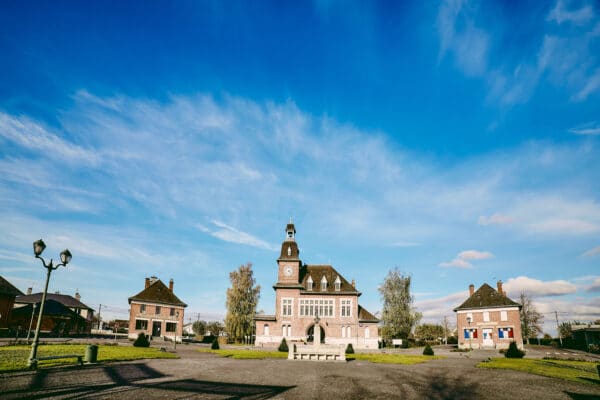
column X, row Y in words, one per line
column 471, row 289
column 500, row 287
column 171, row 285
column 29, row 290
column 353, row 283
column 147, row 283
column 77, row 295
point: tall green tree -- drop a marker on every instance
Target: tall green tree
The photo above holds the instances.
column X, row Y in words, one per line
column 531, row 319
column 199, row 328
column 429, row 332
column 398, row 315
column 242, row 298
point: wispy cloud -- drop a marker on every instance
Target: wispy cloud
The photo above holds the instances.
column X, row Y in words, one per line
column 591, row 129
column 561, row 14
column 230, row 234
column 463, row 258
column 595, row 286
column 592, row 252
column 494, row 219
column 536, row 287
column 462, row 38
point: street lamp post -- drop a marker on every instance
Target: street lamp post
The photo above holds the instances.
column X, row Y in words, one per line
column 470, row 333
column 65, row 258
column 31, row 321
column 176, row 327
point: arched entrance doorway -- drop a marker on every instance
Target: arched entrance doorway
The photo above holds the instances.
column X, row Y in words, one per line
column 310, row 333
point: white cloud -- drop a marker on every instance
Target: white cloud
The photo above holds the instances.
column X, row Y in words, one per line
column 459, row 36
column 463, row 258
column 561, row 14
column 434, row 310
column 32, row 135
column 591, row 85
column 535, row 287
column 592, row 252
column 494, row 219
column 230, row 234
column 595, row 286
column 587, row 129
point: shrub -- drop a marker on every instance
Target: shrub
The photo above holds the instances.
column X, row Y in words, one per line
column 594, row 348
column 215, row 344
column 513, row 351
column 427, row 351
column 349, row 349
column 141, row 341
column 283, row 347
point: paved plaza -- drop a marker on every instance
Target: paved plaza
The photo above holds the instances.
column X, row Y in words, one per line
column 206, row 376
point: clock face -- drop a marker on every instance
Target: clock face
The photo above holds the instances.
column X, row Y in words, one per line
column 287, row 271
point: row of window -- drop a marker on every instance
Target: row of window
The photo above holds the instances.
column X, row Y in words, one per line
column 157, row 310
column 316, row 307
column 337, row 284
column 287, row 331
column 142, row 325
column 503, row 333
column 486, row 316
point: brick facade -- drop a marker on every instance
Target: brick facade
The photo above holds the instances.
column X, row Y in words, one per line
column 488, row 319
column 298, row 302
column 156, row 312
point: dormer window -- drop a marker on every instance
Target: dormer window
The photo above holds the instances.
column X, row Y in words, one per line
column 337, row 284
column 289, row 251
column 309, row 283
column 323, row 284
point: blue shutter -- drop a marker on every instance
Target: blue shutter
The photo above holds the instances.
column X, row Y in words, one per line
column 466, row 334
column 500, row 333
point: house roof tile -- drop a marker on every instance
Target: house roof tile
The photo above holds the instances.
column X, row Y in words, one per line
column 317, row 272
column 65, row 299
column 487, row 297
column 7, row 289
column 158, row 292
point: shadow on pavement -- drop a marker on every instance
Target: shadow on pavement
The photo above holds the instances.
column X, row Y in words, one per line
column 444, row 387
column 124, row 381
column 582, row 396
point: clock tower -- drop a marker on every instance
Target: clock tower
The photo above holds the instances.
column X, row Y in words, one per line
column 289, row 260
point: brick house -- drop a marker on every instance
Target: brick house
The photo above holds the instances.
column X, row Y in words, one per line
column 7, row 299
column 63, row 313
column 307, row 296
column 156, row 311
column 488, row 319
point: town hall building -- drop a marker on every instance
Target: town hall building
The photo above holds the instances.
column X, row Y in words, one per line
column 311, row 296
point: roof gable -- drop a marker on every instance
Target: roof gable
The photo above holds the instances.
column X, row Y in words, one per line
column 317, row 272
column 486, row 297
column 65, row 299
column 157, row 292
column 364, row 315
column 7, row 289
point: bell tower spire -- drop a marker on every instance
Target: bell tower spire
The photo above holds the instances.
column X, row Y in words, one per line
column 289, row 259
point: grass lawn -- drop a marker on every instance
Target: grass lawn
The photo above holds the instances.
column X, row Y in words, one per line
column 375, row 358
column 246, row 354
column 404, row 359
column 578, row 371
column 14, row 358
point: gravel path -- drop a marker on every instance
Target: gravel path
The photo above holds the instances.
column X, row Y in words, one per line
column 206, row 376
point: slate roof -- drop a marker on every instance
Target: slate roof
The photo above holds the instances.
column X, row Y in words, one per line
column 487, row 297
column 51, row 308
column 65, row 299
column 365, row 316
column 157, row 292
column 317, row 272
column 7, row 289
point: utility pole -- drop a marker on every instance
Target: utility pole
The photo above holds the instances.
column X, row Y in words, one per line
column 99, row 311
column 445, row 330
column 558, row 328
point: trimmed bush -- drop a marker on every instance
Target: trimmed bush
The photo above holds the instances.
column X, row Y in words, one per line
column 141, row 341
column 349, row 349
column 283, row 347
column 427, row 351
column 513, row 351
column 215, row 345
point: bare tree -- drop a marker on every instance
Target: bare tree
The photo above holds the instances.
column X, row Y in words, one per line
column 531, row 319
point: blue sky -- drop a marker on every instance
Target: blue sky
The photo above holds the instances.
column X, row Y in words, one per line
column 457, row 141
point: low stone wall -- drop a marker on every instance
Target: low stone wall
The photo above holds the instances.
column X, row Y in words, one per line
column 316, row 353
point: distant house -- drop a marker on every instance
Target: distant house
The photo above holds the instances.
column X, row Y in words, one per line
column 63, row 314
column 188, row 329
column 7, row 300
column 488, row 319
column 156, row 311
column 586, row 335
